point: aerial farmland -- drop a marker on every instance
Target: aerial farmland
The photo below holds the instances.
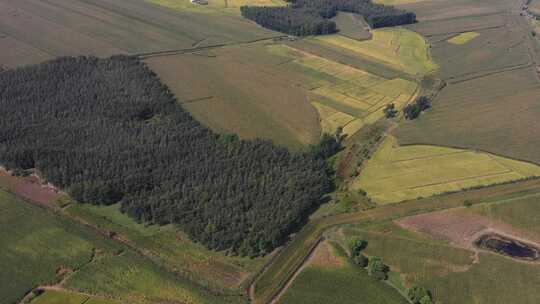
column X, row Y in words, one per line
column 269, row 151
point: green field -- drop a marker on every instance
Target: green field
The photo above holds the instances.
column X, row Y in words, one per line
column 36, row 244
column 172, row 248
column 397, row 173
column 41, row 248
column 451, row 273
column 66, row 297
column 339, row 285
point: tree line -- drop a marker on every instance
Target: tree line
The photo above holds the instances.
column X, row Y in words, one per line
column 312, row 17
column 107, row 131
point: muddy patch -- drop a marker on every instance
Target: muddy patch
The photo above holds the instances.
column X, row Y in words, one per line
column 31, row 188
column 459, row 228
column 508, row 246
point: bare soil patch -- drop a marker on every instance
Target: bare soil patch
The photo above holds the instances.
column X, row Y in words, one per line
column 324, row 256
column 459, row 227
column 31, row 188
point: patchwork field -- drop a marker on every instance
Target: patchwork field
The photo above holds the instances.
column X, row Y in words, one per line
column 34, row 30
column 345, row 96
column 342, row 283
column 396, row 173
column 397, row 48
column 454, row 274
column 41, row 248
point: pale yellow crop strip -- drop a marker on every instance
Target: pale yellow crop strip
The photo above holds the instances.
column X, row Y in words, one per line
column 397, row 173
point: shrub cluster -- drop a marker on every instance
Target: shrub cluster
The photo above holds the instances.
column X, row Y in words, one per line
column 108, row 131
column 412, row 111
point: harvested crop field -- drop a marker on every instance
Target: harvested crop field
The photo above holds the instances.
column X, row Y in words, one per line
column 452, row 9
column 353, row 26
column 34, row 30
column 396, row 173
column 397, row 48
column 496, row 113
column 242, row 90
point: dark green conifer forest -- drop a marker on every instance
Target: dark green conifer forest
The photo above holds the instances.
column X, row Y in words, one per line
column 108, row 131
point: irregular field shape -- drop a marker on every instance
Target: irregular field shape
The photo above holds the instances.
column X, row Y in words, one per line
column 399, row 173
column 242, row 90
column 353, row 92
column 399, row 48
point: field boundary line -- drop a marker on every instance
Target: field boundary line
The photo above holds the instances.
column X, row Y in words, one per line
column 202, row 48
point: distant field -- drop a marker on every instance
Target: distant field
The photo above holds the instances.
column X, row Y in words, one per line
column 398, row 48
column 33, row 31
column 487, row 114
column 216, row 6
column 397, row 173
column 463, row 38
column 346, row 284
column 345, row 96
column 452, row 10
column 244, row 90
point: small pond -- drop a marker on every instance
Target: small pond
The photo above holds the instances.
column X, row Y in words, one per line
column 507, row 246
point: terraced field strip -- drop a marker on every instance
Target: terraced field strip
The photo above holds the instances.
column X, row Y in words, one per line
column 280, row 271
column 463, row 38
column 397, row 48
column 401, row 173
column 345, row 96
